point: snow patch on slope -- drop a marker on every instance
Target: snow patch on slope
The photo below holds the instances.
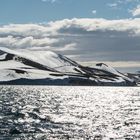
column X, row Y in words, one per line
column 47, row 58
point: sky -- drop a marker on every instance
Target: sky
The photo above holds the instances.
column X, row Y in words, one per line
column 87, row 31
column 36, row 11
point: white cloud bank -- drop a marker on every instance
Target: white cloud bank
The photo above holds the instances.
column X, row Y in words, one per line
column 26, row 41
column 57, row 27
column 85, row 39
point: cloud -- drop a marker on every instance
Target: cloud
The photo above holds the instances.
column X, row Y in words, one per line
column 52, row 1
column 120, row 4
column 82, row 39
column 67, row 47
column 94, row 12
column 132, row 0
column 112, row 5
column 25, row 42
column 68, row 26
column 136, row 11
column 127, row 1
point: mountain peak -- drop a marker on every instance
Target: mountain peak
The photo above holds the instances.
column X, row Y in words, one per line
column 47, row 67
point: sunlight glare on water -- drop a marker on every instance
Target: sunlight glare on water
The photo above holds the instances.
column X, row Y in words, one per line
column 76, row 113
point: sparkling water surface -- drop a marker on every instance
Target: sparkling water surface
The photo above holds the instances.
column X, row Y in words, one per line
column 69, row 113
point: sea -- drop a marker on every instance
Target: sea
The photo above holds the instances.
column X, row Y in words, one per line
column 69, row 113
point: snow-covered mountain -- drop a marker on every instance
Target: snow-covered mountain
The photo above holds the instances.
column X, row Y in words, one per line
column 48, row 68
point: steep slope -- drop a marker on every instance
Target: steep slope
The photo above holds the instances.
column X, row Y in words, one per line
column 135, row 76
column 45, row 67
